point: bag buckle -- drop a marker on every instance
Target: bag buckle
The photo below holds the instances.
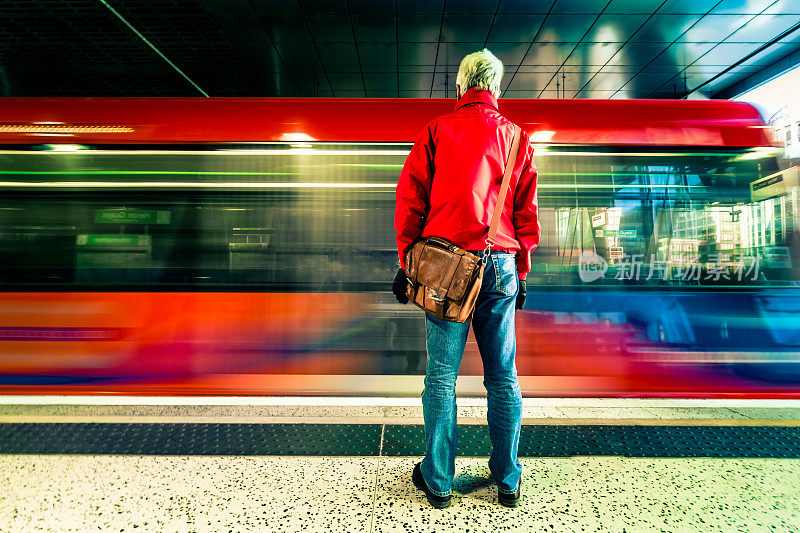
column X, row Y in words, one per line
column 486, row 252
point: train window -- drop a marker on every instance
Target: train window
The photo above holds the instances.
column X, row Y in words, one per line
column 319, row 217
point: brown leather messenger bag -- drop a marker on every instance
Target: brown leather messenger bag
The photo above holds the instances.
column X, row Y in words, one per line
column 443, row 278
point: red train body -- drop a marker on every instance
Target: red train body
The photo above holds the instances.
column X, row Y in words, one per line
column 272, row 341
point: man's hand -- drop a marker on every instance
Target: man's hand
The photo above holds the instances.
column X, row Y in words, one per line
column 521, row 294
column 399, row 286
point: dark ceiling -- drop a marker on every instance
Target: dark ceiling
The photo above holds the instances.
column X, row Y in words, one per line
column 387, row 48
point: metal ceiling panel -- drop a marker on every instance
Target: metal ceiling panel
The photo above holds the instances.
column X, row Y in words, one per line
column 597, row 94
column 445, row 82
column 693, row 80
column 646, row 81
column 683, row 54
column 665, row 28
column 631, row 7
column 742, row 7
column 299, row 56
column 357, row 47
column 517, row 27
column 339, row 56
column 375, row 28
column 725, row 54
column 593, row 54
column 286, row 27
column 550, row 69
column 509, row 53
column 262, row 7
column 605, row 81
column 415, row 69
column 695, row 7
column 562, row 28
column 451, row 54
column 466, row 27
column 418, row 54
column 78, row 49
column 420, row 6
column 773, row 54
column 654, row 79
column 346, row 82
column 416, row 81
column 713, row 28
column 706, row 72
column 418, row 27
column 525, row 6
column 615, row 28
column 530, row 81
column 330, row 27
column 640, row 55
column 580, row 6
column 783, row 8
column 383, row 8
column 619, row 69
column 322, row 6
column 377, row 82
column 350, row 94
column 486, row 7
column 378, row 57
column 549, row 53
column 763, row 28
column 568, row 85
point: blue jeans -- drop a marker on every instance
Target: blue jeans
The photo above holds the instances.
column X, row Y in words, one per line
column 493, row 325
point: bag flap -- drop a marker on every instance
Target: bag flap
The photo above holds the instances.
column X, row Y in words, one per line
column 430, row 263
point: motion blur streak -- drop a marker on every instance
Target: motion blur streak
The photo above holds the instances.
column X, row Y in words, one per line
column 665, row 268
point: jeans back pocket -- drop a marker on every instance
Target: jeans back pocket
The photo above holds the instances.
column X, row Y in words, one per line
column 505, row 271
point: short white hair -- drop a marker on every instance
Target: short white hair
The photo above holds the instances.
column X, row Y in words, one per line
column 480, row 69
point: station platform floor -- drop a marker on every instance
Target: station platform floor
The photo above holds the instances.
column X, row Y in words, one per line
column 80, row 463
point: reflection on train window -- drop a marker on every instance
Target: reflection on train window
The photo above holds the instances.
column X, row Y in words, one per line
column 320, row 218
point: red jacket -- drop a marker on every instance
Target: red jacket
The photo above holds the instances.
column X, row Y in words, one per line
column 451, row 180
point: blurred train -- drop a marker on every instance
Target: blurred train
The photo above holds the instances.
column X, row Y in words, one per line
column 245, row 246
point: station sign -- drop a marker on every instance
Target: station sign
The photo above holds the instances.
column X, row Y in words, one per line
column 605, row 233
column 626, row 233
column 774, row 185
column 131, row 216
column 599, row 219
column 615, row 253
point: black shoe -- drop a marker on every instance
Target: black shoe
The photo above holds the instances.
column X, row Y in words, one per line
column 509, row 500
column 440, row 502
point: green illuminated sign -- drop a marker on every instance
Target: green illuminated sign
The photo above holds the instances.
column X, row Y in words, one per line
column 605, row 233
column 113, row 240
column 629, row 233
column 131, row 216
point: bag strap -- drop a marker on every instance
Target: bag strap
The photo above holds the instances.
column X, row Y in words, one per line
column 501, row 199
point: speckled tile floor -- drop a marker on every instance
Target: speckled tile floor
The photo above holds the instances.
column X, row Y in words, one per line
column 272, row 493
column 180, row 493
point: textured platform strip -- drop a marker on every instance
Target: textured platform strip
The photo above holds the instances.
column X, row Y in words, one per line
column 392, row 440
column 191, row 439
column 629, row 441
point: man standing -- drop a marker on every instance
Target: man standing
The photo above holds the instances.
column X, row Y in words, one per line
column 448, row 188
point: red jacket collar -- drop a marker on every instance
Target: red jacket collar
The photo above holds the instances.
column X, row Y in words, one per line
column 476, row 95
